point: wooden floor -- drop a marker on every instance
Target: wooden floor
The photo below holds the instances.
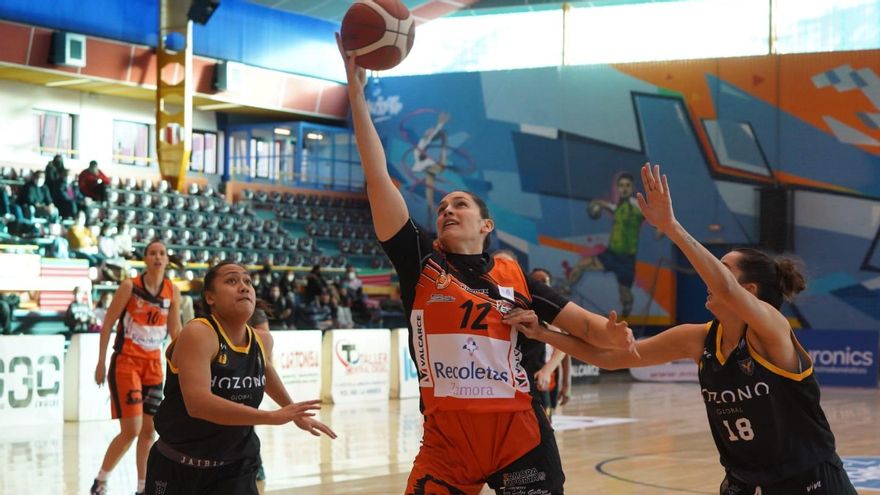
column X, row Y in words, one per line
column 660, row 446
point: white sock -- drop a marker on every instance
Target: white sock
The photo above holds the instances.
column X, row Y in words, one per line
column 141, row 485
column 102, row 475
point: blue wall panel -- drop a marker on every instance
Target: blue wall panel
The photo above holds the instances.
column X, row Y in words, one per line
column 238, row 31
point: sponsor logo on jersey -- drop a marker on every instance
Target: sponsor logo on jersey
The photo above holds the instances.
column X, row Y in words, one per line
column 747, row 365
column 440, row 298
column 503, row 307
column 420, row 347
column 443, row 281
column 470, row 366
column 740, row 394
column 470, row 345
column 238, row 382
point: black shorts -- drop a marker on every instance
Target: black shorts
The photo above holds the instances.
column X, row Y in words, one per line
column 827, row 478
column 538, row 472
column 168, row 477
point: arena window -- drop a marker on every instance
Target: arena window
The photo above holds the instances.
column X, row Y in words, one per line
column 54, row 133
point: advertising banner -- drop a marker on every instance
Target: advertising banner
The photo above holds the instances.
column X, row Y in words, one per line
column 404, row 377
column 31, row 379
column 84, row 400
column 357, row 364
column 846, row 358
column 296, row 357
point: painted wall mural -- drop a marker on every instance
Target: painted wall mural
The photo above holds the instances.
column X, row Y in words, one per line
column 554, row 152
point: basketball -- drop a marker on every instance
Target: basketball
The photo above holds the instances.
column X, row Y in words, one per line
column 379, row 33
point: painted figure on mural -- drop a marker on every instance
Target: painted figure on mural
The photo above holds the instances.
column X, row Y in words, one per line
column 623, row 243
column 431, row 164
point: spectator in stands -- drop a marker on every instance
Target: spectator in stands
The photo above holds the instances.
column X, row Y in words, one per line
column 100, row 311
column 281, row 310
column 318, row 313
column 343, row 310
column 288, row 282
column 35, row 199
column 7, row 206
column 124, row 241
column 55, row 172
column 351, row 281
column 83, row 241
column 67, row 197
column 8, row 303
column 114, row 265
column 315, row 284
column 93, row 183
column 79, row 315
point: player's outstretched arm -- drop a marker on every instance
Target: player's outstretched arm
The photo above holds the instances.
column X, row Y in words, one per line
column 680, row 342
column 768, row 323
column 193, row 352
column 386, row 202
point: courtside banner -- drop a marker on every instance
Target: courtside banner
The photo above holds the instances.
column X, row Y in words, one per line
column 357, row 364
column 31, row 379
column 846, row 358
column 582, row 372
column 404, row 377
column 84, row 400
column 296, row 357
column 682, row 370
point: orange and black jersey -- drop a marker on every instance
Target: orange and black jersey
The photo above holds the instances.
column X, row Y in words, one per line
column 466, row 357
column 143, row 326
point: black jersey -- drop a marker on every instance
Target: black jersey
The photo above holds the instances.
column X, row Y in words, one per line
column 767, row 423
column 237, row 374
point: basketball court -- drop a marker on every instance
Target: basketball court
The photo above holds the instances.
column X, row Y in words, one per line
column 618, row 437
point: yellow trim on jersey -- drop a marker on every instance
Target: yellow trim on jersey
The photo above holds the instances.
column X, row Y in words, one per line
column 242, row 350
column 718, row 354
column 172, row 367
column 779, row 371
column 260, row 345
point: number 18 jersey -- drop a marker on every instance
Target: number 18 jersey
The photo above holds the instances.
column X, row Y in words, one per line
column 766, row 422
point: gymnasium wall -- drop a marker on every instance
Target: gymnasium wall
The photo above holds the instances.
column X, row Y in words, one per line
column 542, row 144
column 94, row 125
column 238, row 31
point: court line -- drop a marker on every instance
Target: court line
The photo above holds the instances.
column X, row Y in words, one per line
column 601, row 469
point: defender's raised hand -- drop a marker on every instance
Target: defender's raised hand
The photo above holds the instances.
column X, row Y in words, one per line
column 656, row 204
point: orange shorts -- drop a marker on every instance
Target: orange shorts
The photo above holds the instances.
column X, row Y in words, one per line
column 462, row 451
column 135, row 385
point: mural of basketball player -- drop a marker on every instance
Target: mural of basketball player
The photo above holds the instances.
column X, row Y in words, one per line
column 623, row 244
column 428, row 164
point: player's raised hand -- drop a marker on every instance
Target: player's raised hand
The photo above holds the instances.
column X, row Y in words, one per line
column 357, row 76
column 619, row 334
column 656, row 203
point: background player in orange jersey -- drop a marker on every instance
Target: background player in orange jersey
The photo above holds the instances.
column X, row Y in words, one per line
column 481, row 424
column 762, row 399
column 147, row 309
